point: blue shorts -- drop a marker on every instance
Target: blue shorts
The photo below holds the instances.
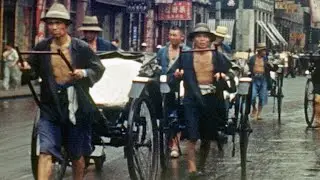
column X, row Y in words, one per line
column 75, row 138
column 259, row 88
column 203, row 122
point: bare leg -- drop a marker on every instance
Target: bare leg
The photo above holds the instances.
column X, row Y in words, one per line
column 191, row 157
column 254, row 111
column 175, row 146
column 259, row 112
column 78, row 168
column 44, row 166
column 204, row 152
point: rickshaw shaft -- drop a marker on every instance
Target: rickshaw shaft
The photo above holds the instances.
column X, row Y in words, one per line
column 198, row 50
column 38, row 52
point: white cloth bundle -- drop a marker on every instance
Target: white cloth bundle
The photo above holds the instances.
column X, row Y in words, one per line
column 73, row 104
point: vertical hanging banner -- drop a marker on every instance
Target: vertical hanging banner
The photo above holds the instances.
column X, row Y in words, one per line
column 41, row 26
column 149, row 30
column 180, row 10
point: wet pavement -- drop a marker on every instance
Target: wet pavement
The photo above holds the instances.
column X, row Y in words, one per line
column 285, row 151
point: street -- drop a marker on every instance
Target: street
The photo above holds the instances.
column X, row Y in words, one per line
column 286, row 151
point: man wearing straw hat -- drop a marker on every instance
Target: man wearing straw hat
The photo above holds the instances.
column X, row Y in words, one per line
column 201, row 72
column 260, row 71
column 220, row 34
column 91, row 29
column 65, row 110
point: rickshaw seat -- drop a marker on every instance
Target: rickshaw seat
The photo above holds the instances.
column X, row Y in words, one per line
column 111, row 91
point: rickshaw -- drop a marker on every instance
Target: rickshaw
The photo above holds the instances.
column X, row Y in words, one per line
column 309, row 94
column 276, row 78
column 238, row 124
column 120, row 121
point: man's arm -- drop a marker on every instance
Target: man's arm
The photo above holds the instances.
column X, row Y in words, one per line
column 34, row 62
column 222, row 65
column 94, row 69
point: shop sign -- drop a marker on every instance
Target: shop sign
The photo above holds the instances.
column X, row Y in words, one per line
column 181, row 10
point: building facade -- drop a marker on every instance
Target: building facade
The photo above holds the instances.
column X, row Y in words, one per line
column 17, row 24
column 248, row 21
column 112, row 16
column 184, row 13
column 290, row 20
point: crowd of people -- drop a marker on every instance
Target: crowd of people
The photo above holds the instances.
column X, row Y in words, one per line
column 65, row 112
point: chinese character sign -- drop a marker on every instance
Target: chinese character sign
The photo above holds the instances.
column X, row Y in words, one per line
column 180, row 10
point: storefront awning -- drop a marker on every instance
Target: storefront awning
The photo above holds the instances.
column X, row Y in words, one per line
column 114, row 2
column 268, row 32
column 277, row 34
column 229, row 23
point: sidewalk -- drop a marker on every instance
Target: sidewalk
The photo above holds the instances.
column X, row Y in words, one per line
column 21, row 92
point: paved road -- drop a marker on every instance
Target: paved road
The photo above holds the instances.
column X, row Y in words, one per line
column 286, row 151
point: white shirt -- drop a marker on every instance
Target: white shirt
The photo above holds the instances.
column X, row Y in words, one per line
column 10, row 56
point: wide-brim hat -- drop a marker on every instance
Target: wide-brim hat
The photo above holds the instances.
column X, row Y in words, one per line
column 201, row 28
column 57, row 11
column 261, row 46
column 221, row 31
column 90, row 23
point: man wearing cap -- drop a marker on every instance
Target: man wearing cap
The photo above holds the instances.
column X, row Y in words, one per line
column 64, row 109
column 91, row 29
column 203, row 108
column 221, row 33
column 260, row 72
column 143, row 47
column 168, row 59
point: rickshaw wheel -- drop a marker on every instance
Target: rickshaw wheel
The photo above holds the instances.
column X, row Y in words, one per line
column 279, row 103
column 244, row 132
column 166, row 134
column 142, row 146
column 309, row 103
column 58, row 167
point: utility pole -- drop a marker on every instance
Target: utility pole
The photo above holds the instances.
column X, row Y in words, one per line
column 239, row 23
column 218, row 12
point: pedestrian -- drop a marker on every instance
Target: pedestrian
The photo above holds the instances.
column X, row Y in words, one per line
column 11, row 70
column 168, row 59
column 91, row 29
column 260, row 72
column 291, row 65
column 65, row 112
column 221, row 33
column 143, row 47
column 201, row 71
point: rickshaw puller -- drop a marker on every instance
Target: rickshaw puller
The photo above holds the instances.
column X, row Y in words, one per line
column 260, row 72
column 168, row 59
column 316, row 84
column 65, row 117
column 202, row 108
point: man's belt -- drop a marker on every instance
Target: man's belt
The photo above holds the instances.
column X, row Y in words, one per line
column 259, row 74
column 207, row 89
